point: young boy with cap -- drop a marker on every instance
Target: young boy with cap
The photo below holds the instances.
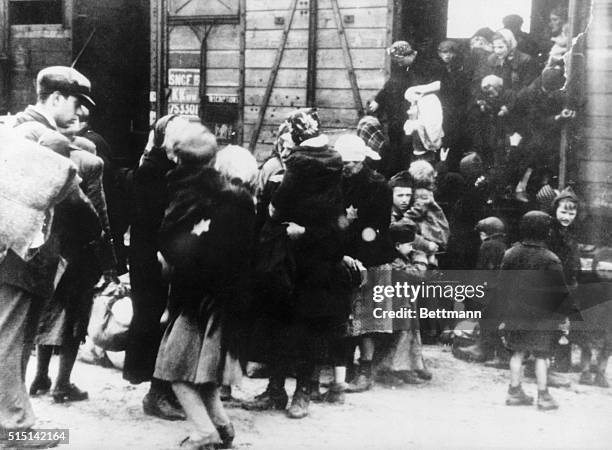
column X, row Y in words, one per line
column 533, row 290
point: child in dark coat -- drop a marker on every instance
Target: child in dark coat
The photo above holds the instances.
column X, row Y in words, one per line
column 404, row 358
column 533, row 291
column 492, row 233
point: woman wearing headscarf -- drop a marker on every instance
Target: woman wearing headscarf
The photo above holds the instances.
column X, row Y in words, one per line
column 206, row 243
column 312, row 311
column 516, row 68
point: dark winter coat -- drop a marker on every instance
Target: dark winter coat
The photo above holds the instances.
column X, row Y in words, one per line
column 564, row 244
column 541, row 132
column 491, row 254
column 488, row 131
column 117, row 189
column 368, row 193
column 532, row 288
column 517, row 71
column 311, row 196
column 149, row 290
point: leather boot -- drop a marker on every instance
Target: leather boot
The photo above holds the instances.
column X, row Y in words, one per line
column 363, row 382
column 274, row 397
column 299, row 402
column 517, row 397
column 227, row 435
column 546, row 402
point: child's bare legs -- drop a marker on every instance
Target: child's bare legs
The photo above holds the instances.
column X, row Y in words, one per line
column 545, row 400
column 516, row 395
column 541, row 373
column 212, row 401
column 516, row 368
column 602, row 364
column 586, row 356
column 363, row 382
column 197, row 412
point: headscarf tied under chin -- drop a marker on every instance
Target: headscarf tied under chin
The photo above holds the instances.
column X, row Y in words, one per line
column 508, row 37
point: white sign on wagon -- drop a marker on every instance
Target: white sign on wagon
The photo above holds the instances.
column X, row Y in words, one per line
column 184, row 77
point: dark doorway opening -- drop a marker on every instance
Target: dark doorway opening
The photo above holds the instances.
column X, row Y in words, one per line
column 114, row 38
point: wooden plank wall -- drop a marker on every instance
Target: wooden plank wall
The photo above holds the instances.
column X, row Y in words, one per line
column 222, row 55
column 31, row 48
column 367, row 36
column 595, row 160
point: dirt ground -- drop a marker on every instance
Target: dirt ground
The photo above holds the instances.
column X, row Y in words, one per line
column 462, row 407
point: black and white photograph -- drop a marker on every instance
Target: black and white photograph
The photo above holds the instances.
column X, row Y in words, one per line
column 305, row 224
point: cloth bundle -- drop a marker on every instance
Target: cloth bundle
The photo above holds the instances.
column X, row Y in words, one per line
column 33, row 180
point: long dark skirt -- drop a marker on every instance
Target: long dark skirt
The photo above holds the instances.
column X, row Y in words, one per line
column 193, row 348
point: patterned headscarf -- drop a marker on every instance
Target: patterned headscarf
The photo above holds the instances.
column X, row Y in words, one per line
column 304, row 124
column 371, row 131
column 399, row 49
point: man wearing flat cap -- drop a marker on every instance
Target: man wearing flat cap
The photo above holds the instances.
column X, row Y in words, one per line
column 27, row 278
column 60, row 93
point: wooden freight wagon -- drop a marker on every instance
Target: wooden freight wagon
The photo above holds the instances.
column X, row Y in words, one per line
column 243, row 65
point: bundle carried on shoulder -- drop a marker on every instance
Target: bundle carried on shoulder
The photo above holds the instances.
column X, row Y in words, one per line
column 33, row 179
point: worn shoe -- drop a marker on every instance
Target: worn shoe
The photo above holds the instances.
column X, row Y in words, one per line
column 423, row 374
column 268, row 399
column 546, row 402
column 601, row 381
column 517, row 397
column 299, row 404
column 409, row 377
column 208, row 442
column 387, row 378
column 40, row 386
column 587, row 378
column 361, row 384
column 336, row 393
column 160, row 406
column 556, row 380
column 473, row 353
column 316, row 395
column 70, row 393
column 227, row 435
column 225, row 392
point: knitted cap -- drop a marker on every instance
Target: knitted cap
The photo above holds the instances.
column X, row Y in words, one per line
column 545, row 197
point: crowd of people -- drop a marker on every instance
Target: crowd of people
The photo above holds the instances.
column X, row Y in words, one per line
column 274, row 269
